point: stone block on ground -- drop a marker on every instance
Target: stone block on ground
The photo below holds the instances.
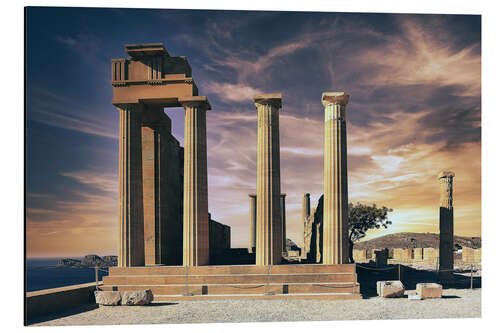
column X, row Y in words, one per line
column 107, row 297
column 429, row 290
column 390, row 289
column 138, row 297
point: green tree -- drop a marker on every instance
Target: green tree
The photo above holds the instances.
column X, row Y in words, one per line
column 363, row 218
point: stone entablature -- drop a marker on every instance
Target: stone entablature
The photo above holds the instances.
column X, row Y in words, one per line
column 152, row 76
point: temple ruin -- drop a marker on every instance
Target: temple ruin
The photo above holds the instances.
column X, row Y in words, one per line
column 165, row 229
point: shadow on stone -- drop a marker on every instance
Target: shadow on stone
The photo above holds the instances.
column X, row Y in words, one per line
column 160, row 304
column 369, row 274
column 62, row 314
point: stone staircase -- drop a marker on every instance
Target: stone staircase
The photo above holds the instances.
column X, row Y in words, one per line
column 171, row 283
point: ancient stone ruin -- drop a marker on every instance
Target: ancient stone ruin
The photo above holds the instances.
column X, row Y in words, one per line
column 167, row 239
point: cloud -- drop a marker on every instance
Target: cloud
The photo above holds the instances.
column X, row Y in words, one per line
column 415, row 109
column 85, row 224
column 59, row 111
column 232, row 92
column 107, row 182
column 420, row 58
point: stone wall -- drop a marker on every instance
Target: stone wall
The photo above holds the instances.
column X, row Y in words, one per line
column 471, row 256
column 219, row 239
column 49, row 301
column 360, row 256
column 430, row 255
column 403, row 255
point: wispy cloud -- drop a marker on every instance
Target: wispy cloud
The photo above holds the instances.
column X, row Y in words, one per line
column 59, row 111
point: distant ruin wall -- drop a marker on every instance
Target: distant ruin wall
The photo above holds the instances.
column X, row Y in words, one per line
column 471, row 256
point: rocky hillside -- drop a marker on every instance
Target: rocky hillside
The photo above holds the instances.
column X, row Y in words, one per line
column 90, row 261
column 415, row 240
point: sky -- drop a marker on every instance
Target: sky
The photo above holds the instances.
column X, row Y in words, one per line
column 415, row 109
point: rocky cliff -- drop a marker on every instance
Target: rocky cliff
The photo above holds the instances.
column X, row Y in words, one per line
column 406, row 240
column 89, row 261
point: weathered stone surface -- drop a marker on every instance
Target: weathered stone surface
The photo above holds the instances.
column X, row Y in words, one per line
column 429, row 290
column 390, row 289
column 335, row 213
column 139, row 297
column 107, row 297
column 195, row 227
column 446, row 243
column 269, row 228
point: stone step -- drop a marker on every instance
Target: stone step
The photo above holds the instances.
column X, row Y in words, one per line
column 235, row 269
column 242, row 288
column 227, row 279
column 325, row 296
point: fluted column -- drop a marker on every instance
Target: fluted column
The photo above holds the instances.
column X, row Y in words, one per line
column 283, row 219
column 196, row 250
column 335, row 219
column 131, row 223
column 446, row 225
column 253, row 222
column 154, row 180
column 269, row 228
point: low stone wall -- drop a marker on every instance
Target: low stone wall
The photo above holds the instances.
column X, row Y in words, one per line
column 471, row 256
column 48, row 301
column 360, row 256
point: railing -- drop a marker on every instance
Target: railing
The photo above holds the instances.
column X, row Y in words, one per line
column 97, row 269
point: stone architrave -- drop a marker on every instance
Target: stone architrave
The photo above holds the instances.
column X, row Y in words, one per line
column 446, row 225
column 131, row 225
column 269, row 239
column 253, row 220
column 196, row 233
column 335, row 228
column 283, row 219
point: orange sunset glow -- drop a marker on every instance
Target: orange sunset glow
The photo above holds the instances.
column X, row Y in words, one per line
column 415, row 109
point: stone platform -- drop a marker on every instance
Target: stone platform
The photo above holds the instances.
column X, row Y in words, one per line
column 170, row 283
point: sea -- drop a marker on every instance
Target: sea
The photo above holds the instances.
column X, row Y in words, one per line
column 43, row 273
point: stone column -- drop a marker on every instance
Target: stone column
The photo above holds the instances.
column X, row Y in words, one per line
column 269, row 229
column 335, row 229
column 131, row 223
column 306, row 206
column 253, row 221
column 196, row 234
column 155, row 173
column 283, row 219
column 446, row 225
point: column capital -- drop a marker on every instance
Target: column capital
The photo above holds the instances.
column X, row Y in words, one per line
column 195, row 101
column 268, row 99
column 328, row 98
column 252, row 195
column 446, row 174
